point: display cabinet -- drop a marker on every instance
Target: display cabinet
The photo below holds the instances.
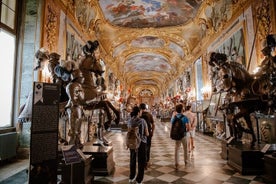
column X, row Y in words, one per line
column 199, row 107
column 215, row 119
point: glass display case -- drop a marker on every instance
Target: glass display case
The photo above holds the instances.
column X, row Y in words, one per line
column 199, row 107
column 215, row 121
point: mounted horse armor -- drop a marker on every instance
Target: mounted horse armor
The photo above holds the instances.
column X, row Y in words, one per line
column 246, row 93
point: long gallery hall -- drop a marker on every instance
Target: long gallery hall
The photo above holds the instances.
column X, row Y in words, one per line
column 74, row 71
column 206, row 165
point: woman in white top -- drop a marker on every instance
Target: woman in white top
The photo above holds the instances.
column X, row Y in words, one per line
column 192, row 122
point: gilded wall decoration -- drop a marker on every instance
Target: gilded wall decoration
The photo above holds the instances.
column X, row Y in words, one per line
column 263, row 19
column 263, row 23
column 51, row 23
column 69, row 4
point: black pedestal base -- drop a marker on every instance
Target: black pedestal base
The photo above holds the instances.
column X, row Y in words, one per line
column 77, row 173
column 246, row 160
column 102, row 163
column 269, row 169
column 224, row 146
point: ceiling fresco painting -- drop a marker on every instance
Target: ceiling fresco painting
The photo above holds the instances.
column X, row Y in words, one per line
column 119, row 49
column 147, row 82
column 177, row 49
column 149, row 13
column 148, row 41
column 147, row 62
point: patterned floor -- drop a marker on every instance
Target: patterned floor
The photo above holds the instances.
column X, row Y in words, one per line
column 206, row 166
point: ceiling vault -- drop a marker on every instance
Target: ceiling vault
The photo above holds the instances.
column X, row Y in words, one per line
column 148, row 44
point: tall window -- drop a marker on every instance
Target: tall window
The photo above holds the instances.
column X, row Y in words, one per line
column 7, row 61
column 199, row 82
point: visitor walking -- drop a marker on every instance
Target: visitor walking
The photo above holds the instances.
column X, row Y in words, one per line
column 178, row 113
column 140, row 153
column 151, row 126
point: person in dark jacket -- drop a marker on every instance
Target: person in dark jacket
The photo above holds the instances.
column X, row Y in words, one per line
column 141, row 152
column 151, row 126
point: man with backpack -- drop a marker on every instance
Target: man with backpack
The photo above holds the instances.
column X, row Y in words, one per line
column 138, row 151
column 180, row 126
column 151, row 126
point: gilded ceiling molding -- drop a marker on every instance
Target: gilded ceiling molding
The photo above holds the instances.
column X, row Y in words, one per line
column 239, row 4
column 167, row 52
column 210, row 2
column 169, row 34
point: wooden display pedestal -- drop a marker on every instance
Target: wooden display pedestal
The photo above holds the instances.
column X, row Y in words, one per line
column 102, row 163
column 77, row 172
column 246, row 160
column 269, row 169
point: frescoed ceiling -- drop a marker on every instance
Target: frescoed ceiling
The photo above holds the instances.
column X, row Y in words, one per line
column 148, row 44
column 149, row 13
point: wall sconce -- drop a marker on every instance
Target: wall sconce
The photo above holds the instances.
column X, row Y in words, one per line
column 206, row 91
